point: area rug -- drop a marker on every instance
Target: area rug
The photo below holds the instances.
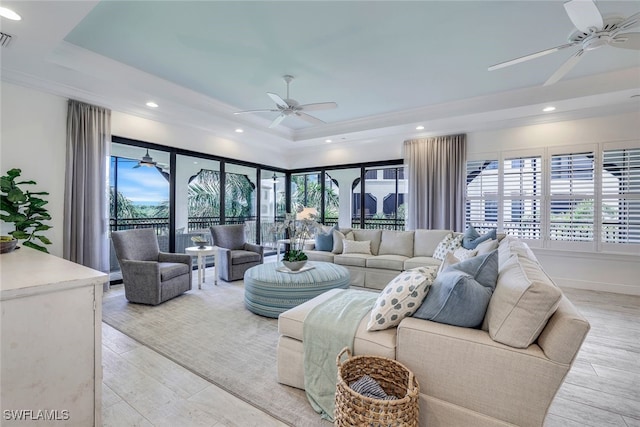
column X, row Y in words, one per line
column 212, row 334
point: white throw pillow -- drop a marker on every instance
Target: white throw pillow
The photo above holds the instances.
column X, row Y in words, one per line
column 338, row 237
column 462, row 253
column 449, row 244
column 487, row 246
column 356, row 247
column 401, row 298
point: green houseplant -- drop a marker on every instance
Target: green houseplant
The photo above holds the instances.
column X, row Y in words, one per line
column 25, row 209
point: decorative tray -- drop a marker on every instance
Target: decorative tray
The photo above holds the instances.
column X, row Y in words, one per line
column 284, row 269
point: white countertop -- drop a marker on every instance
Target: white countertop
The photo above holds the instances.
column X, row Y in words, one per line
column 26, row 271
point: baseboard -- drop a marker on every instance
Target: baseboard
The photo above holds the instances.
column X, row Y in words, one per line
column 615, row 288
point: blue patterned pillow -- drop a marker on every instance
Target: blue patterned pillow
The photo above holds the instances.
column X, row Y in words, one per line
column 461, row 293
column 471, row 238
column 324, row 241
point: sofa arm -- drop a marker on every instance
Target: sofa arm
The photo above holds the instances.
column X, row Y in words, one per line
column 565, row 331
column 178, row 258
column 459, row 365
column 255, row 248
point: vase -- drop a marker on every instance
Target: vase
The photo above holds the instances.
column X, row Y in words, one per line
column 294, row 265
column 8, row 245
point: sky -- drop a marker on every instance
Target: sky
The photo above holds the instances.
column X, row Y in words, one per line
column 143, row 185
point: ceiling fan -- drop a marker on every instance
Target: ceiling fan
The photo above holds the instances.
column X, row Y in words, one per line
column 287, row 107
column 146, row 161
column 593, row 31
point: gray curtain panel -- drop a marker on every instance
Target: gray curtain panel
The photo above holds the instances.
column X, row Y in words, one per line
column 436, row 168
column 86, row 207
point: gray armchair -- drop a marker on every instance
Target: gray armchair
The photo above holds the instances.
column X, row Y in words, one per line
column 150, row 276
column 235, row 255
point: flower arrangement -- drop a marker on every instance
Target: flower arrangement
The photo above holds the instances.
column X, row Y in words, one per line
column 298, row 230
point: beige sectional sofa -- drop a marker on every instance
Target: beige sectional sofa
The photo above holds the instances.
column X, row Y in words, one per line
column 391, row 253
column 503, row 374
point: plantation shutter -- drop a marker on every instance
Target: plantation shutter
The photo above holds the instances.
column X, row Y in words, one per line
column 621, row 196
column 522, row 191
column 572, row 197
column 481, row 198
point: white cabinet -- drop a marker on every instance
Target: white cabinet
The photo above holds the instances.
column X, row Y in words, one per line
column 50, row 341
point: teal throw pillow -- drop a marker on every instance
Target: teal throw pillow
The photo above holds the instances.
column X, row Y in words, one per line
column 324, row 241
column 461, row 293
column 471, row 238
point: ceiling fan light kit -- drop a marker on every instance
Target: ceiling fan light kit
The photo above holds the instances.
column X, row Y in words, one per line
column 593, row 31
column 288, row 106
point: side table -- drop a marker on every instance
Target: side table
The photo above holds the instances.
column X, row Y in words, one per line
column 202, row 253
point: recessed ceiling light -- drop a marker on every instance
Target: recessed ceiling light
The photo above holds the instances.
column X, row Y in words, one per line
column 9, row 14
column 239, row 130
column 547, row 109
column 152, row 104
column 327, row 140
column 419, row 127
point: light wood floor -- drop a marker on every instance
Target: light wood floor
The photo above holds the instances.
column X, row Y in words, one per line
column 142, row 388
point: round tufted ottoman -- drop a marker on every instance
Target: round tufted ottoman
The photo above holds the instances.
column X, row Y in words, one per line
column 269, row 292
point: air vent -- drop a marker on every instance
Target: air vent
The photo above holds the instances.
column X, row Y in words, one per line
column 5, row 39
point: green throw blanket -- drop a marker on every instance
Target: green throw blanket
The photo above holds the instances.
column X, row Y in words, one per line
column 328, row 328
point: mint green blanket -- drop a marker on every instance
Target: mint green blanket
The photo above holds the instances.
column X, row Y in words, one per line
column 328, row 328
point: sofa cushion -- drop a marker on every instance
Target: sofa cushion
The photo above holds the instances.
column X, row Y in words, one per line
column 460, row 294
column 355, row 260
column 449, row 243
column 373, row 236
column 354, row 247
column 169, row 270
column 396, row 243
column 321, row 256
column 524, row 300
column 387, row 262
column 421, row 261
column 338, row 237
column 324, row 239
column 400, row 298
column 426, row 241
column 243, row 257
column 471, row 238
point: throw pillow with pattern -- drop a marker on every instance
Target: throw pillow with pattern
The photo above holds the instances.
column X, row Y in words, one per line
column 449, row 244
column 401, row 298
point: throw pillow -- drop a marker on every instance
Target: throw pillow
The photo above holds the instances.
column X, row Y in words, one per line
column 472, row 238
column 523, row 302
column 462, row 253
column 449, row 260
column 356, row 247
column 449, row 244
column 338, row 237
column 461, row 293
column 487, row 246
column 400, row 298
column 324, row 240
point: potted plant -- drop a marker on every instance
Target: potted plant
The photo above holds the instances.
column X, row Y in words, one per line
column 25, row 209
column 298, row 230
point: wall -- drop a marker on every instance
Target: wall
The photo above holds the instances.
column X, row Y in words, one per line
column 33, row 138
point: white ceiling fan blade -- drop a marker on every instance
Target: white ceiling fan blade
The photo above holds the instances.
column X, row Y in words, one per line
column 630, row 22
column 530, row 56
column 279, row 101
column 277, row 120
column 318, row 106
column 308, row 118
column 626, row 41
column 584, row 14
column 256, row 111
column 564, row 68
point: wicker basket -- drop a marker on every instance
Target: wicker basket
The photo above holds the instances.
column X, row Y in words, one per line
column 354, row 409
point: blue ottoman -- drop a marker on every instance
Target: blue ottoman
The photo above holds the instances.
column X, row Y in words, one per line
column 269, row 292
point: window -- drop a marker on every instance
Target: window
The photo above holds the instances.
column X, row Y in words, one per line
column 482, row 194
column 620, row 210
column 572, row 197
column 522, row 191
